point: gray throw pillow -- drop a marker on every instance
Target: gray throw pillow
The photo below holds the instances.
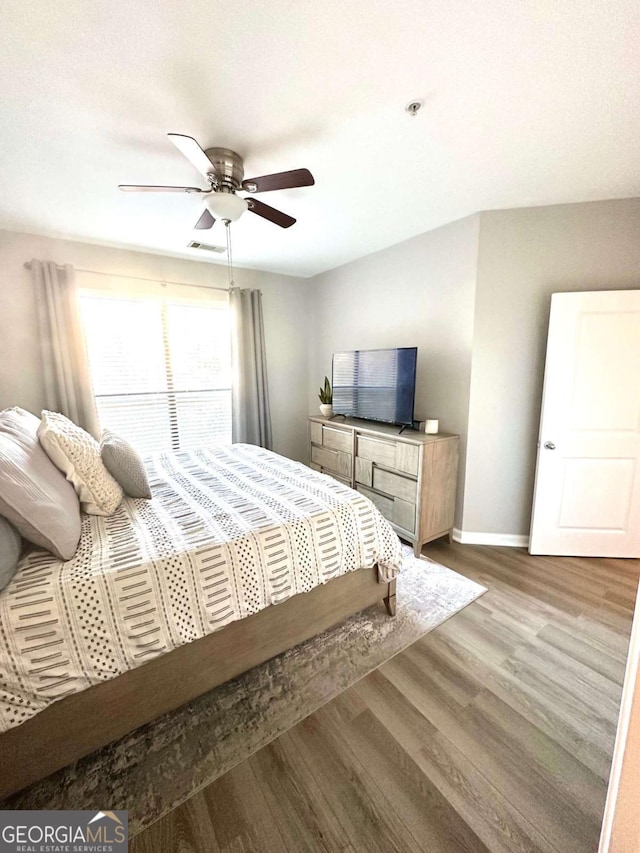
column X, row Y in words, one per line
column 125, row 465
column 10, row 547
column 34, row 495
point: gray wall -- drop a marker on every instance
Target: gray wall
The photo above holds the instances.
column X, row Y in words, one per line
column 473, row 296
column 417, row 293
column 524, row 256
column 285, row 301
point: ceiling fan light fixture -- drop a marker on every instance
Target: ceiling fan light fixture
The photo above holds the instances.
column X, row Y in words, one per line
column 225, row 206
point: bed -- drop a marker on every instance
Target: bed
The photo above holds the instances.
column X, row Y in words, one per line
column 240, row 555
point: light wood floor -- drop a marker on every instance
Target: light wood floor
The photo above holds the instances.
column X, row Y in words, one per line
column 493, row 732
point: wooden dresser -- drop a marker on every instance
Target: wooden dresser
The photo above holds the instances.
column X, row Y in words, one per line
column 411, row 478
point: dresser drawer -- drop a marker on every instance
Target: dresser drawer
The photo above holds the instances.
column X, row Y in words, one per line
column 337, row 477
column 315, row 467
column 315, row 432
column 390, row 454
column 395, row 484
column 407, row 458
column 398, row 512
column 331, row 436
column 334, row 460
column 364, row 471
column 381, row 452
column 337, row 439
column 404, row 515
column 383, row 503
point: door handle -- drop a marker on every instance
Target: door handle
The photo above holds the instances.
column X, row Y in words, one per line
column 549, row 445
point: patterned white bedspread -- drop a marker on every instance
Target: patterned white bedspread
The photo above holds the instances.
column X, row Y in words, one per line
column 229, row 532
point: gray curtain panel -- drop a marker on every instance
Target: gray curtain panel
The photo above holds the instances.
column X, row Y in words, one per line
column 251, row 417
column 67, row 380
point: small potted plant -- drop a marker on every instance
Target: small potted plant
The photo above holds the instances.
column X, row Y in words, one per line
column 326, row 399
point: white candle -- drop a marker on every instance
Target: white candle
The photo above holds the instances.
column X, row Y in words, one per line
column 431, row 426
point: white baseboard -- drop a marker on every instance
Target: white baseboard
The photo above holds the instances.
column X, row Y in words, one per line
column 506, row 540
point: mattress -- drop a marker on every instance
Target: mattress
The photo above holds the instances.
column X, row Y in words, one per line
column 229, row 532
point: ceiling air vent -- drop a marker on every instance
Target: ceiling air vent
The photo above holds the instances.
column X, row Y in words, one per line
column 205, row 247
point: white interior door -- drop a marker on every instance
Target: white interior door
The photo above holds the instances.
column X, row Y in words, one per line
column 587, row 491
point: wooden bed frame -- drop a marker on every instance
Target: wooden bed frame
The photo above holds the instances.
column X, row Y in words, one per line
column 83, row 722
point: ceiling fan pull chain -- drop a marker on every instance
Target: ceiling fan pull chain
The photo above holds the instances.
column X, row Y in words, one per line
column 229, row 255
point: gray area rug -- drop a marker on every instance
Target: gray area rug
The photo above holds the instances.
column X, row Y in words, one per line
column 160, row 765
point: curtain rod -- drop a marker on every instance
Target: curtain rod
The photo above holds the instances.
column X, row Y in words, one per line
column 27, row 264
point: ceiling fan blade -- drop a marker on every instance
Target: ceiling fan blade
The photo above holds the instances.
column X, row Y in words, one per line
column 270, row 213
column 192, row 151
column 206, row 221
column 279, row 181
column 147, row 188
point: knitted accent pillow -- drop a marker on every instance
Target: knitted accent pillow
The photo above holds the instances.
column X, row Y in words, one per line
column 77, row 455
column 125, row 465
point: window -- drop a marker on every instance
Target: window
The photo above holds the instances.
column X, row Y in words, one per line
column 161, row 369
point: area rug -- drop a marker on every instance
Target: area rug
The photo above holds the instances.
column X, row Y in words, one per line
column 160, row 765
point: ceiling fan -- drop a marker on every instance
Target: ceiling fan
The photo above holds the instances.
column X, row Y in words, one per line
column 224, row 171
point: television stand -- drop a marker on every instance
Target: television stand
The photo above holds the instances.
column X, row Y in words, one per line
column 338, row 415
column 402, row 428
column 411, row 478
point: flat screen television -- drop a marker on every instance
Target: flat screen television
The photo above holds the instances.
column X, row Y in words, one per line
column 376, row 384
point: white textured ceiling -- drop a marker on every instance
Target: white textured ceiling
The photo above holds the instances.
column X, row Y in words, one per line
column 525, row 103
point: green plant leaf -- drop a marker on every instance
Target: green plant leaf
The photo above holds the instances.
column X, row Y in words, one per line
column 326, row 396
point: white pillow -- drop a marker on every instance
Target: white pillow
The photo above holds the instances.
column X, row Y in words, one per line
column 77, row 455
column 34, row 495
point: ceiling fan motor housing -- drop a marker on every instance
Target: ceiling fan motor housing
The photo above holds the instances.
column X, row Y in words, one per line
column 228, row 167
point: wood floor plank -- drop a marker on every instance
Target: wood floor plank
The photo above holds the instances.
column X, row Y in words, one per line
column 597, row 691
column 492, row 733
column 251, row 840
column 497, row 725
column 496, row 822
column 238, row 810
column 585, row 650
column 365, row 815
column 537, row 707
column 513, row 730
column 409, row 677
column 460, row 686
column 302, row 813
column 538, row 782
column 430, row 818
column 500, row 751
column 188, row 831
column 611, row 616
column 613, row 642
column 570, row 699
column 476, row 636
column 490, row 636
column 505, row 605
column 350, row 705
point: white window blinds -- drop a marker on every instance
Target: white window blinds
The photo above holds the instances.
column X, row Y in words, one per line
column 161, row 369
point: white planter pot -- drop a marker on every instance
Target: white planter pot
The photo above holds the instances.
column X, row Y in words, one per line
column 326, row 410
